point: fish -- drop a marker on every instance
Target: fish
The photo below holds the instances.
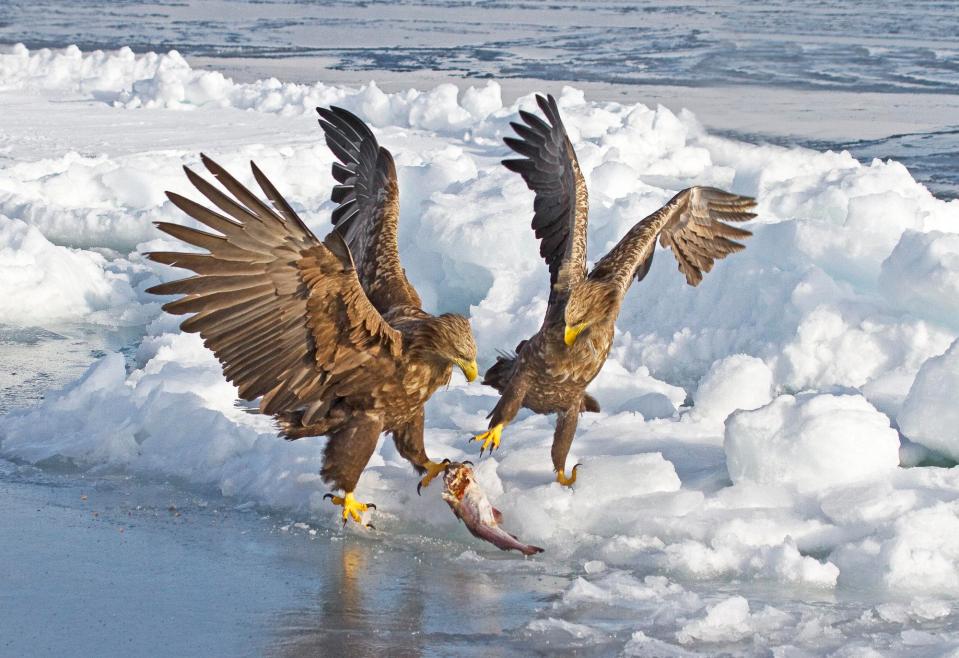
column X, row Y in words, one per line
column 469, row 503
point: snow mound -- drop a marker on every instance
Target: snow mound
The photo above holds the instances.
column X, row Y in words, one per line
column 736, row 382
column 70, row 69
column 921, row 275
column 930, row 414
column 167, row 81
column 919, row 554
column 811, row 442
column 43, row 283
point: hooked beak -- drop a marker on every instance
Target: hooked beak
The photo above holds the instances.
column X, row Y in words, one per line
column 469, row 368
column 569, row 336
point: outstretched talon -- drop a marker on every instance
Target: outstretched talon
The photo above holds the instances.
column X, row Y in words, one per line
column 490, row 439
column 432, row 470
column 567, row 481
column 352, row 508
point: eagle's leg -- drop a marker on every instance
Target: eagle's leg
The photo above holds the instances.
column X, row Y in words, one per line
column 490, row 438
column 352, row 508
column 505, row 410
column 432, row 470
column 348, row 449
column 409, row 443
column 566, row 422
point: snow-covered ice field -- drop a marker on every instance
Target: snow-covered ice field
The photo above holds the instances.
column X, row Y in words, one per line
column 771, row 473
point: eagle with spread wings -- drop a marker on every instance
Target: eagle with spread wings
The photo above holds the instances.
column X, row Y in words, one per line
column 549, row 372
column 329, row 335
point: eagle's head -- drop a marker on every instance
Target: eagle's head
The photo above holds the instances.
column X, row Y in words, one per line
column 450, row 338
column 589, row 302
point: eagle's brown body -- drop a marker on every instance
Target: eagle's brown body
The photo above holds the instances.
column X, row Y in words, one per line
column 328, row 335
column 551, row 370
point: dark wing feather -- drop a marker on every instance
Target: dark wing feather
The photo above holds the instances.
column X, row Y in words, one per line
column 560, row 209
column 284, row 313
column 368, row 212
column 692, row 224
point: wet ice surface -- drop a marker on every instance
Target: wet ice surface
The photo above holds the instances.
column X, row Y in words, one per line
column 110, row 565
column 37, row 359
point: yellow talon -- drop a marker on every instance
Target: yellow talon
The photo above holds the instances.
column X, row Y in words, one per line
column 567, row 481
column 352, row 508
column 490, row 438
column 432, row 470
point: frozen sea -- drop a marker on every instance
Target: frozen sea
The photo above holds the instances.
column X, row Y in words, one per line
column 142, row 513
column 889, row 63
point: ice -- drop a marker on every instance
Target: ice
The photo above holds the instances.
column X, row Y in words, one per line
column 748, row 440
column 921, row 275
column 930, row 415
column 44, row 283
column 811, row 442
column 731, row 621
column 736, row 382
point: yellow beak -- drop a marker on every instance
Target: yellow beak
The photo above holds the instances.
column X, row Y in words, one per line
column 469, row 368
column 569, row 336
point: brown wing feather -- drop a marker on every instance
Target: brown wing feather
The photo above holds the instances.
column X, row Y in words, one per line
column 561, row 206
column 368, row 212
column 692, row 224
column 284, row 313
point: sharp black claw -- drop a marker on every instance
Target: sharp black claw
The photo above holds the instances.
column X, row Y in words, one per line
column 329, row 495
column 467, row 462
column 371, row 506
column 371, row 526
column 446, row 461
column 419, row 488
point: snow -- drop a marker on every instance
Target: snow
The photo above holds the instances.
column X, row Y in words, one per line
column 930, row 415
column 730, row 621
column 811, row 442
column 736, row 382
column 749, row 426
column 44, row 283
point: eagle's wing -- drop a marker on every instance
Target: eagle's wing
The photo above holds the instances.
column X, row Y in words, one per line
column 369, row 212
column 560, row 209
column 283, row 312
column 692, row 224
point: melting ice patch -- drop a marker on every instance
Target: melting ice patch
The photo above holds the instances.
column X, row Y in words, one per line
column 801, row 356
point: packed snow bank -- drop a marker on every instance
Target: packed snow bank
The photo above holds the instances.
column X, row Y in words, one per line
column 811, row 441
column 814, row 296
column 930, row 415
column 43, row 283
column 826, row 302
column 166, row 81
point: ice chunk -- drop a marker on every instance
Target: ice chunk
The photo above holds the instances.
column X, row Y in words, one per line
column 731, row 621
column 811, row 442
column 736, row 382
column 921, row 275
column 930, row 414
column 42, row 282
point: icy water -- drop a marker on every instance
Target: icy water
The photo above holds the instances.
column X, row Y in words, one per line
column 106, row 565
column 885, row 47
